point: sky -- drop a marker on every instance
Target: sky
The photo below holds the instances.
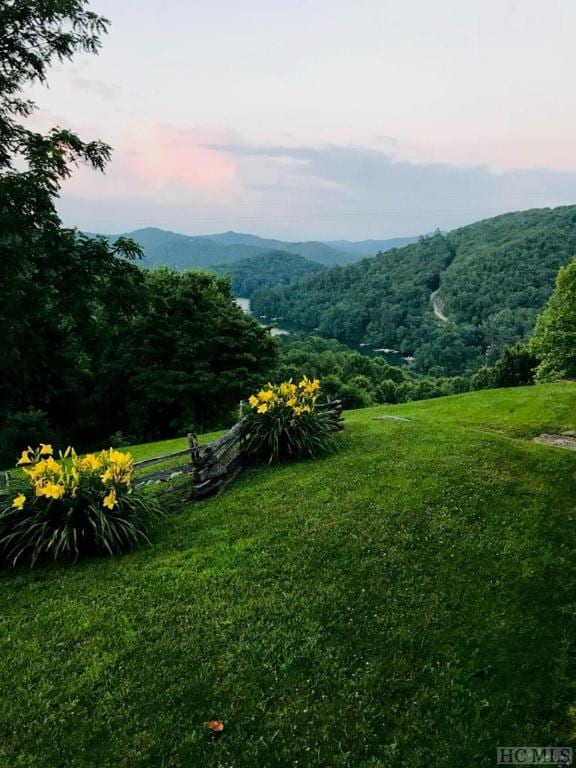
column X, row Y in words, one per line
column 320, row 119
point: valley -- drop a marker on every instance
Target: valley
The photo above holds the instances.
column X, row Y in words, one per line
column 496, row 276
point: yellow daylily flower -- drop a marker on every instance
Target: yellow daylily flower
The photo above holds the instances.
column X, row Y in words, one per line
column 51, row 491
column 51, row 465
column 25, row 458
column 110, row 500
column 287, row 388
column 267, row 395
column 120, row 458
column 90, row 462
column 107, row 476
column 262, row 408
column 46, row 449
column 253, row 400
column 19, row 501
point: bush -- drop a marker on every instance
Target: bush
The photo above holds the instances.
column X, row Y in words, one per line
column 72, row 507
column 285, row 424
column 354, row 397
column 484, row 378
column 387, row 392
column 516, row 367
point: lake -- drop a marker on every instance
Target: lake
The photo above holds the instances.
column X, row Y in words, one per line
column 245, row 305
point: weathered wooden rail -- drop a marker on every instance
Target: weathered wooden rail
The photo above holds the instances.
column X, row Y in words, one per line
column 205, row 470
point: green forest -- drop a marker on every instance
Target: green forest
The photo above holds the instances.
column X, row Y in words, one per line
column 266, row 270
column 492, row 278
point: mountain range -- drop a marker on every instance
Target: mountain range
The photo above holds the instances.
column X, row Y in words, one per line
column 188, row 251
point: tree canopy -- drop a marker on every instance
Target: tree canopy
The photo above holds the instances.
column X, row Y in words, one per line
column 554, row 340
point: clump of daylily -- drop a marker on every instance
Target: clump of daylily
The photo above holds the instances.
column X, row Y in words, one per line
column 284, row 422
column 299, row 398
column 72, row 505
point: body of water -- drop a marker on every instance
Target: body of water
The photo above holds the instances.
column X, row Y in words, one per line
column 392, row 356
column 245, row 305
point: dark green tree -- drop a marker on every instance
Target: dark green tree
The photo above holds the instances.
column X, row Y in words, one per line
column 51, row 277
column 186, row 357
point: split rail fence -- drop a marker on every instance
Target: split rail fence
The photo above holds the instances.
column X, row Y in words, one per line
column 202, row 470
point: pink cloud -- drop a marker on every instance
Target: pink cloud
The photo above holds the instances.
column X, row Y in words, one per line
column 171, row 155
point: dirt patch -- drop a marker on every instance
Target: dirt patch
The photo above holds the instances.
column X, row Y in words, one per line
column 566, row 440
column 389, row 418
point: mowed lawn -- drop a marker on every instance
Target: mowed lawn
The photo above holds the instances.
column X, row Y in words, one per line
column 408, row 601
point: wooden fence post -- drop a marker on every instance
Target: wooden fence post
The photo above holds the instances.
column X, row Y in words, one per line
column 193, row 445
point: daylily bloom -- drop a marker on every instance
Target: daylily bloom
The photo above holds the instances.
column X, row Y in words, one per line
column 19, row 501
column 262, row 408
column 107, row 476
column 253, row 400
column 25, row 458
column 110, row 500
column 90, row 462
column 51, row 491
column 287, row 388
column 46, row 449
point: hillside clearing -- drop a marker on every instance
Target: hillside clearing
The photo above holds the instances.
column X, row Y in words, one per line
column 406, row 601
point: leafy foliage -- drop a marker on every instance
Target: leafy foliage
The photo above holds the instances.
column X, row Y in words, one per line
column 285, row 424
column 516, row 367
column 554, row 338
column 266, row 270
column 358, row 379
column 73, row 507
column 184, row 358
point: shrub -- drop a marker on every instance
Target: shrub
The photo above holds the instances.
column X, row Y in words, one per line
column 285, row 423
column 484, row 378
column 75, row 506
column 516, row 367
column 354, row 397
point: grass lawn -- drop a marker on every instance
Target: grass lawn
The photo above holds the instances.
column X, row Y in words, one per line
column 150, row 450
column 408, row 601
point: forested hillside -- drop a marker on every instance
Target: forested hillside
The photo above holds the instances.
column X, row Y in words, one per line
column 266, row 270
column 492, row 277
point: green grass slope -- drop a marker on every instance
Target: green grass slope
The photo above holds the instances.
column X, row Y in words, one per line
column 406, row 601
